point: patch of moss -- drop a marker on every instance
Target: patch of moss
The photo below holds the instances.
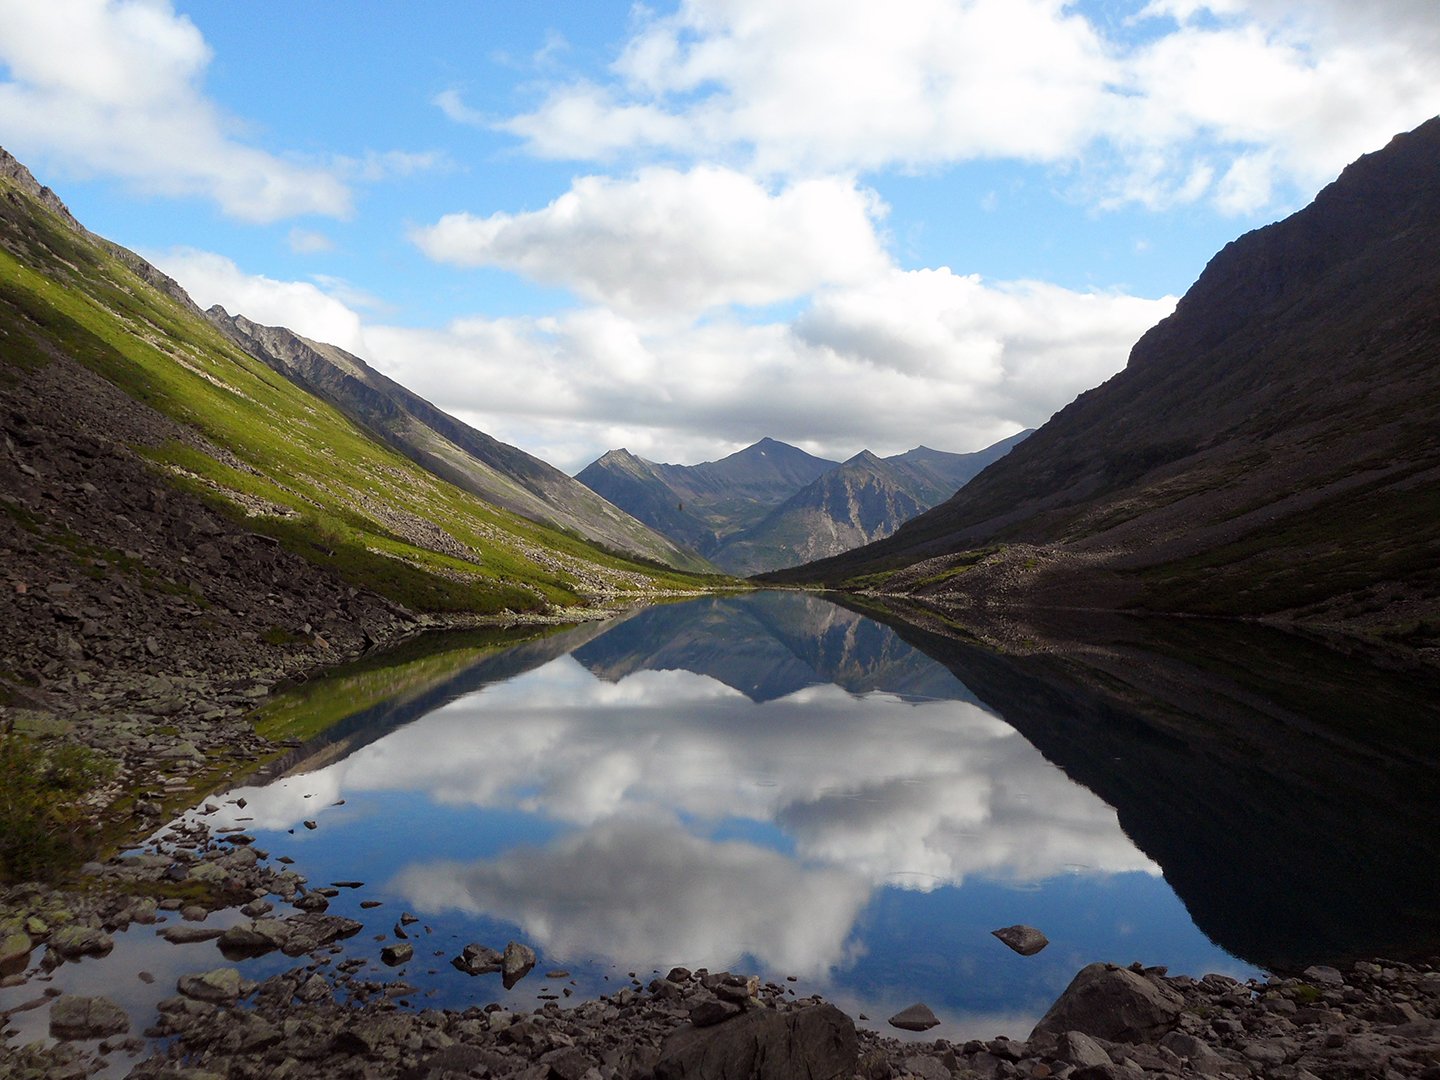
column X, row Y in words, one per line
column 44, row 827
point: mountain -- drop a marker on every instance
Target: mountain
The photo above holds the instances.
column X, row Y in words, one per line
column 863, row 499
column 1270, row 449
column 171, row 506
column 700, row 505
column 469, row 459
column 772, row 505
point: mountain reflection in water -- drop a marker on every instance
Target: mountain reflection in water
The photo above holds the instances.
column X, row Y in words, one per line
column 768, row 781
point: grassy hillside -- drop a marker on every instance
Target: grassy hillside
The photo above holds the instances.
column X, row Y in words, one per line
column 265, row 450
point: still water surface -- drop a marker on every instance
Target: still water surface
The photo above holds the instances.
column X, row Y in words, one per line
column 767, row 783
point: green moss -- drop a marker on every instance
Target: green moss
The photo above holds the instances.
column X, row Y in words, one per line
column 44, row 828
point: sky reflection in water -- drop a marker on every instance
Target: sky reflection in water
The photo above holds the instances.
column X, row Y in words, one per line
column 864, row 840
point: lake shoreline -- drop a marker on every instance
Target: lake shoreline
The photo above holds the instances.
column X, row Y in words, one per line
column 1376, row 1018
column 224, row 873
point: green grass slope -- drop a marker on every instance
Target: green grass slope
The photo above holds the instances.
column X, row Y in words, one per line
column 288, row 464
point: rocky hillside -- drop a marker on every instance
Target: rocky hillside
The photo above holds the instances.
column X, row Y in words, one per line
column 866, row 498
column 173, row 509
column 772, row 505
column 700, row 505
column 470, row 459
column 1272, row 448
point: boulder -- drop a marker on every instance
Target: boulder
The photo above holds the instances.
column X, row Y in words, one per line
column 75, row 1017
column 220, row 986
column 1025, row 940
column 399, row 953
column 816, row 1043
column 517, row 962
column 15, row 947
column 73, row 942
column 477, row 959
column 917, row 1017
column 1112, row 1003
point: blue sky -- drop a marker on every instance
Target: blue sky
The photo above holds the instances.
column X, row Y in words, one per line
column 679, row 227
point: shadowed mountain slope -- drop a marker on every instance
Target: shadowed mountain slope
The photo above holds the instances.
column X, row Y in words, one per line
column 455, row 451
column 1273, row 447
column 700, row 505
column 863, row 499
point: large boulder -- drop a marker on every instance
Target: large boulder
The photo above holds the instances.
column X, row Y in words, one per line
column 816, row 1043
column 1112, row 1003
column 517, row 961
column 75, row 1017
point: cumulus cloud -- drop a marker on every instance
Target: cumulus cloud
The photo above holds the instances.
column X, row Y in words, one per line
column 305, row 308
column 113, row 86
column 670, row 241
column 1228, row 100
column 651, row 894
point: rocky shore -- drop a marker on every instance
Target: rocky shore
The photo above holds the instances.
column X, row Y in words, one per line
column 348, row 1018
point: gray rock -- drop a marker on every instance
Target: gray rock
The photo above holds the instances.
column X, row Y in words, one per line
column 73, row 942
column 1025, row 940
column 517, row 962
column 1081, row 1050
column 713, row 1011
column 917, row 1017
column 1325, row 976
column 477, row 959
column 190, row 935
column 253, row 938
column 15, row 950
column 818, row 1043
column 75, row 1017
column 1112, row 1003
column 221, row 985
column 399, row 953
column 924, row 1067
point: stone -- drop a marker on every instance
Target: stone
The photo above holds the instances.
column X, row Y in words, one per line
column 219, row 986
column 817, row 1043
column 15, row 948
column 924, row 1067
column 73, row 1016
column 917, row 1017
column 477, row 959
column 73, row 942
column 517, row 961
column 1112, row 1003
column 1025, row 940
column 253, row 938
column 1080, row 1050
column 190, row 935
column 1323, row 975
column 713, row 1011
column 399, row 953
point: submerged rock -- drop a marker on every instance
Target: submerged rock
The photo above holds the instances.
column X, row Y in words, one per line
column 1025, row 940
column 917, row 1017
column 73, row 1016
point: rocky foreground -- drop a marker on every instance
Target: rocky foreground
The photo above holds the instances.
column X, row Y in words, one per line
column 334, row 1017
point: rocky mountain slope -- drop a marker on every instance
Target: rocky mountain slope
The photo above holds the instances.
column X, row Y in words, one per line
column 1271, row 449
column 173, row 509
column 773, row 505
column 863, row 499
column 699, row 505
column 470, row 459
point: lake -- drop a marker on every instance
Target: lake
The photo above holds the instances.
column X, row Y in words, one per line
column 773, row 783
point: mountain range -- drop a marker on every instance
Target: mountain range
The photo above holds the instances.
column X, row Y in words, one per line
column 1271, row 449
column 773, row 505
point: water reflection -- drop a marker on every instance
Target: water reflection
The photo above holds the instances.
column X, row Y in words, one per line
column 769, row 781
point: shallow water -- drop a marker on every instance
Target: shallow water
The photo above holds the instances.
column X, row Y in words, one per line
column 765, row 783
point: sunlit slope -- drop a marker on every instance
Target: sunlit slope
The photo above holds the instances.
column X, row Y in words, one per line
column 269, row 452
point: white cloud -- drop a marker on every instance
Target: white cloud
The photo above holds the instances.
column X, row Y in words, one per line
column 669, row 241
column 905, row 357
column 112, row 86
column 308, row 241
column 453, row 105
column 213, row 279
column 1175, row 104
column 650, row 894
